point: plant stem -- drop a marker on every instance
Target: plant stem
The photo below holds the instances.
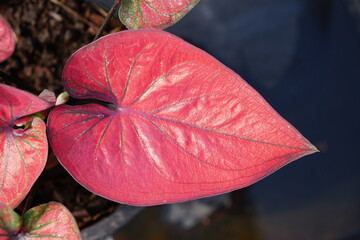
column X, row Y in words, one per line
column 107, row 19
column 28, row 201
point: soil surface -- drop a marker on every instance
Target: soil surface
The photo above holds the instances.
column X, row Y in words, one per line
column 47, row 33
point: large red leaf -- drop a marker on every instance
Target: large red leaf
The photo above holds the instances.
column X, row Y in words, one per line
column 46, row 221
column 23, row 151
column 180, row 124
column 153, row 13
column 7, row 40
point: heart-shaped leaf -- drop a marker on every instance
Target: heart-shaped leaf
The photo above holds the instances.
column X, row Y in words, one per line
column 158, row 14
column 46, row 221
column 23, row 143
column 7, row 40
column 180, row 125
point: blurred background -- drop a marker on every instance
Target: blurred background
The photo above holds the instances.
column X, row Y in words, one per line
column 302, row 56
column 304, row 59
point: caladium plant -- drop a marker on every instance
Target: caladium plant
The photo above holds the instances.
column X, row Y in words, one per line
column 174, row 124
column 7, row 40
column 23, row 141
column 46, row 221
column 177, row 124
column 135, row 14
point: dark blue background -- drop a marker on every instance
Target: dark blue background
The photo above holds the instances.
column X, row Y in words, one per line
column 304, row 58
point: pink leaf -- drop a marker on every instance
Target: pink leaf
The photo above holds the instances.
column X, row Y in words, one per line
column 180, row 124
column 153, row 13
column 46, row 221
column 51, row 219
column 23, row 149
column 7, row 40
column 48, row 96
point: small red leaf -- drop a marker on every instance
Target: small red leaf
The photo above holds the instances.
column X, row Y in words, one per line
column 10, row 222
column 158, row 14
column 46, row 221
column 7, row 40
column 180, row 124
column 51, row 220
column 23, row 149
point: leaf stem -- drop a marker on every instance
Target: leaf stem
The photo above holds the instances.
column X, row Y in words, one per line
column 107, row 19
column 29, row 200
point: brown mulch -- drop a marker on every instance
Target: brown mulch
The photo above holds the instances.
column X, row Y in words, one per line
column 48, row 32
